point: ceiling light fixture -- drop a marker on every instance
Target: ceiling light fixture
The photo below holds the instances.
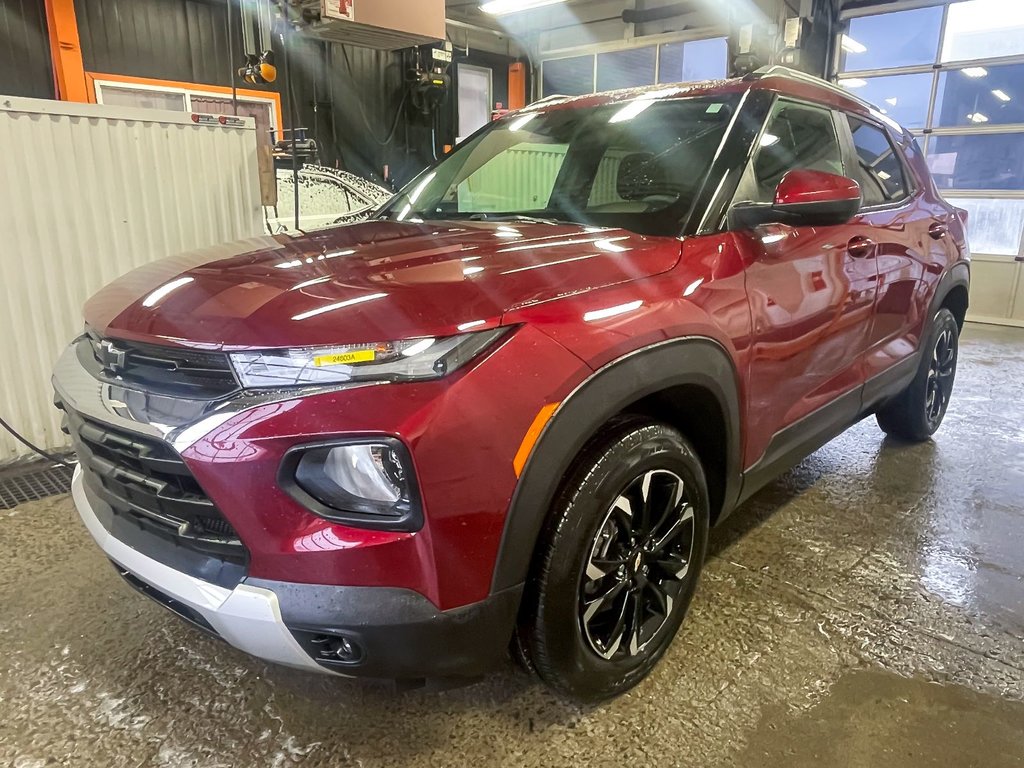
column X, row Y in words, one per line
column 977, row 117
column 853, row 82
column 1001, row 94
column 974, row 71
column 501, row 7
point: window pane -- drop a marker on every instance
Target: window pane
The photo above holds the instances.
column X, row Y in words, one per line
column 797, row 137
column 569, row 77
column 705, row 59
column 904, row 98
column 694, row 60
column 142, row 97
column 984, row 29
column 981, row 161
column 978, row 95
column 670, row 65
column 878, row 171
column 625, row 69
column 474, row 98
column 994, row 226
column 900, row 39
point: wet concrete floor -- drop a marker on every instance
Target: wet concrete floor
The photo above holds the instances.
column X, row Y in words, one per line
column 866, row 609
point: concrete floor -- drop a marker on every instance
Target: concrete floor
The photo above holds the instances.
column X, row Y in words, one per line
column 867, row 609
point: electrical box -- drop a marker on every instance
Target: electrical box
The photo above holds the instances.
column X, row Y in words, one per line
column 383, row 24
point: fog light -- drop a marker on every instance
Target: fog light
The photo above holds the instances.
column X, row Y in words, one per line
column 338, row 648
column 367, row 482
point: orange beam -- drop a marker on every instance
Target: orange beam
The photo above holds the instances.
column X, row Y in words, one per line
column 516, row 85
column 66, row 51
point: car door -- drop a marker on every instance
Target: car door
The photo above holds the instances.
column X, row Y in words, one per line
column 811, row 291
column 903, row 231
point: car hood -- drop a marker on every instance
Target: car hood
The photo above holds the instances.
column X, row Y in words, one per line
column 376, row 281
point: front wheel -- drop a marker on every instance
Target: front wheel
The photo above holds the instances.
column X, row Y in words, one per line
column 918, row 411
column 618, row 562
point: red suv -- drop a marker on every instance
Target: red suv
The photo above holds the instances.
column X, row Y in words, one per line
column 508, row 409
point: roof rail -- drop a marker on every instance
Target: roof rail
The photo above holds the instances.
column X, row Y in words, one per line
column 777, row 70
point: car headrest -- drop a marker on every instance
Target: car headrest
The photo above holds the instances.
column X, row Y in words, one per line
column 640, row 175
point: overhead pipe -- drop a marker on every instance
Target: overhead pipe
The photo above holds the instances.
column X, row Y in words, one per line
column 656, row 14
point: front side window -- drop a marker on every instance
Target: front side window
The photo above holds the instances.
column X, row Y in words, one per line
column 636, row 164
column 879, row 171
column 797, row 136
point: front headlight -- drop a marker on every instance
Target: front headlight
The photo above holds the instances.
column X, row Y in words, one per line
column 409, row 360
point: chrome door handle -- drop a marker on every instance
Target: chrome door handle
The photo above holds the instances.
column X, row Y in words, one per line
column 860, row 247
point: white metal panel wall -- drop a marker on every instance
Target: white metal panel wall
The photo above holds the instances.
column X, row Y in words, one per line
column 87, row 193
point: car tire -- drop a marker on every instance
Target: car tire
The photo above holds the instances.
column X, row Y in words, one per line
column 917, row 411
column 617, row 563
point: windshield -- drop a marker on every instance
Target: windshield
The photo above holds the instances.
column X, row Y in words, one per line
column 637, row 165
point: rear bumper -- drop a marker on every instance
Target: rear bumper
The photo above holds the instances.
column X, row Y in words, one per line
column 398, row 633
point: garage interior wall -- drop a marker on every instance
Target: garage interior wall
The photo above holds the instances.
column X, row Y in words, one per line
column 350, row 99
column 25, row 68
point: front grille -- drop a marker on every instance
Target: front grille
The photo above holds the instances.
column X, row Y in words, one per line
column 146, row 482
column 174, row 371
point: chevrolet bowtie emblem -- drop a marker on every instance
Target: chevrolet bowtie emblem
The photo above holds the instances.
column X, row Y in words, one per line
column 110, row 357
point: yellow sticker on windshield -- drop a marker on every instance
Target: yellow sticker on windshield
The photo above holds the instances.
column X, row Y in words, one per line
column 345, row 358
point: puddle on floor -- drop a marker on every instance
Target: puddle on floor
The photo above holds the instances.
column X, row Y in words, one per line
column 873, row 719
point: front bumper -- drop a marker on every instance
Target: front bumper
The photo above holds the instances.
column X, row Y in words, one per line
column 399, row 634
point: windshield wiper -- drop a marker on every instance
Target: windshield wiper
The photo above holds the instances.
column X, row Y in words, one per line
column 516, row 217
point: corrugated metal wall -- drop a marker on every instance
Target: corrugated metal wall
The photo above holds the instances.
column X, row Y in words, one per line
column 87, row 193
column 25, row 66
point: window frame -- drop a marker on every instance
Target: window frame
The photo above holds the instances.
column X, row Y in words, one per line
column 647, row 41
column 912, row 184
column 756, row 146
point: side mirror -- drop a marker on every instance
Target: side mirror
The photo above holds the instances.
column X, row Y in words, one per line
column 803, row 199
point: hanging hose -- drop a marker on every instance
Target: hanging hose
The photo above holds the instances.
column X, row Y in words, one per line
column 33, row 448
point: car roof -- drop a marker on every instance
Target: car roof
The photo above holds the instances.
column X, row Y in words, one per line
column 782, row 80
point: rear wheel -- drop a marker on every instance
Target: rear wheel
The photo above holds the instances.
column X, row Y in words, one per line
column 918, row 411
column 618, row 562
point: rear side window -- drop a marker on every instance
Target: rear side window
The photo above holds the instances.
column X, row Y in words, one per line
column 798, row 136
column 879, row 171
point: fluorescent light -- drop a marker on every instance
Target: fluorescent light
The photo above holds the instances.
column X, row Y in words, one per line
column 631, row 110
column 977, row 117
column 472, row 270
column 501, row 7
column 852, row 46
column 884, row 176
column 471, row 324
column 519, row 122
column 891, row 102
column 163, row 290
column 853, row 82
column 1001, row 95
column 975, row 71
column 338, row 305
column 769, row 139
column 601, row 314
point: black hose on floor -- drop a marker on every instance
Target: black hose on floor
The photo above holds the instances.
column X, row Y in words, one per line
column 33, row 448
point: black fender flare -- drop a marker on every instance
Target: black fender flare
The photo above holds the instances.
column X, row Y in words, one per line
column 693, row 360
column 959, row 274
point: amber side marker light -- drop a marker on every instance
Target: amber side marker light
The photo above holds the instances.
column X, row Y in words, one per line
column 530, row 438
